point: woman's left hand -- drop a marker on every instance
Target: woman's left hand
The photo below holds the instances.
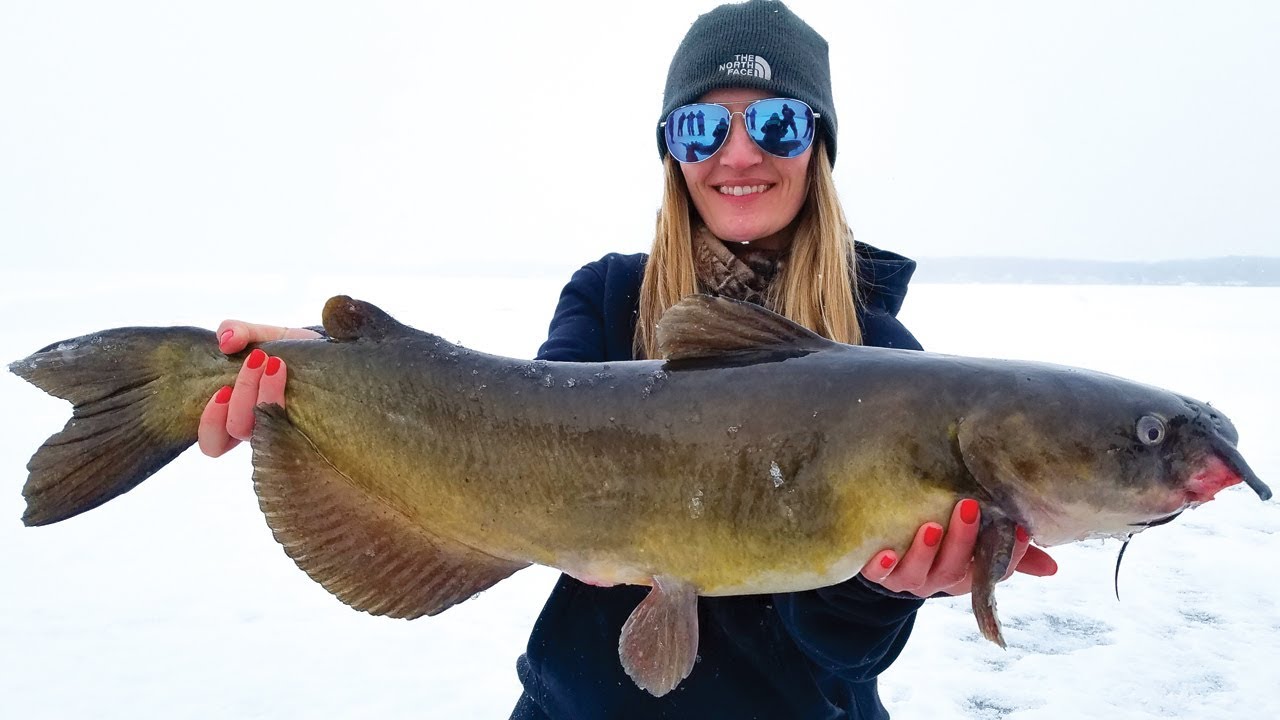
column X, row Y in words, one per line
column 938, row 561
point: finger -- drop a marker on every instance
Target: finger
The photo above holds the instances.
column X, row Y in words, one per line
column 236, row 335
column 1037, row 562
column 912, row 573
column 212, row 435
column 880, row 566
column 245, row 396
column 956, row 552
column 233, row 336
column 271, row 388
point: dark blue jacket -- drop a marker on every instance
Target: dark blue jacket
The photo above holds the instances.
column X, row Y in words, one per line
column 812, row 654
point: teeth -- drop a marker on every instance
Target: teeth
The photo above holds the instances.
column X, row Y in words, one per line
column 740, row 190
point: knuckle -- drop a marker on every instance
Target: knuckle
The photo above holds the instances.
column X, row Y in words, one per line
column 248, row 379
column 240, row 424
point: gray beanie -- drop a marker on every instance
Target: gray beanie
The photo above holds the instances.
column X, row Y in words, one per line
column 756, row 44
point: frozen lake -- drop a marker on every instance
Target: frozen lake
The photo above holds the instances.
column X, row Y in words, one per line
column 174, row 600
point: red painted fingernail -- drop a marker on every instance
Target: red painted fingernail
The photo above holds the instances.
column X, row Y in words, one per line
column 887, row 561
column 225, row 336
column 969, row 510
column 223, row 395
column 273, row 365
column 255, row 359
column 1022, row 534
column 932, row 535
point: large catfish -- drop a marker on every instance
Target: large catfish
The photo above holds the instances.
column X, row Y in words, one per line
column 407, row 474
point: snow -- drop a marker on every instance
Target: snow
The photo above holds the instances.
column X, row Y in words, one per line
column 174, row 600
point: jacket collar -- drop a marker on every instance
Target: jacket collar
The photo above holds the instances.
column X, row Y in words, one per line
column 882, row 277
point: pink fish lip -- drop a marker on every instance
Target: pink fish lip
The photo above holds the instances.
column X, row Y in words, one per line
column 1223, row 468
column 1212, row 478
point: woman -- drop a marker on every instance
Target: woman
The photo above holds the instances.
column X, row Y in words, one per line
column 752, row 215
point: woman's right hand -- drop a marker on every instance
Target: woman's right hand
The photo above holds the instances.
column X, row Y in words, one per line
column 228, row 416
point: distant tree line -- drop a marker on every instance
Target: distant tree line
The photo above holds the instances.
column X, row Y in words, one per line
column 1234, row 270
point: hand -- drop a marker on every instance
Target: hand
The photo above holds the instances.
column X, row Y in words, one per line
column 228, row 416
column 937, row 564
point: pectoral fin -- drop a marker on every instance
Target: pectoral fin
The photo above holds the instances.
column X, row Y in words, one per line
column 360, row 548
column 659, row 641
column 992, row 554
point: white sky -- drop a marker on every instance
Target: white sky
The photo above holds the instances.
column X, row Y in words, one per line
column 161, row 136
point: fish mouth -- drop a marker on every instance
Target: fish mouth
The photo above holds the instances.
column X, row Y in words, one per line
column 1225, row 466
column 1222, row 468
column 1230, row 457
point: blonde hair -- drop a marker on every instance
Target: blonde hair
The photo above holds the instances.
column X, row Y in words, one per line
column 817, row 287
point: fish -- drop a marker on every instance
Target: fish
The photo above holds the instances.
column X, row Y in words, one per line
column 405, row 474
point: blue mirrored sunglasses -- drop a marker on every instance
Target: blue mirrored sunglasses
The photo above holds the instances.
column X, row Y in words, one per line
column 782, row 127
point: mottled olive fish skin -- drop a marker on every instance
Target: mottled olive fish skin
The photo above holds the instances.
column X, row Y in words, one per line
column 407, row 473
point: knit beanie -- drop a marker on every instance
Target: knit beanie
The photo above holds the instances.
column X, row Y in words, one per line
column 756, row 44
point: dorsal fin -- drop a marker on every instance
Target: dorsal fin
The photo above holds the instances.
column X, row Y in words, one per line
column 348, row 319
column 706, row 331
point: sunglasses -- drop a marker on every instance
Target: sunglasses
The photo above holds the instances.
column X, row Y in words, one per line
column 782, row 127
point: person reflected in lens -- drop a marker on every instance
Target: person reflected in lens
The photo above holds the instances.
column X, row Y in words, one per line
column 771, row 134
column 808, row 124
column 697, row 151
column 680, row 125
column 702, row 126
column 789, row 120
column 751, row 119
column 718, row 135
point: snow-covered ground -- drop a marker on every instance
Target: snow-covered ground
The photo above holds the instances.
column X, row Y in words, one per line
column 174, row 601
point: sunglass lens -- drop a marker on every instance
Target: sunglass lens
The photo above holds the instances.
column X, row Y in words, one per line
column 781, row 126
column 695, row 132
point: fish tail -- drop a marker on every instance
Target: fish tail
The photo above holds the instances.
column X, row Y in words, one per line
column 137, row 394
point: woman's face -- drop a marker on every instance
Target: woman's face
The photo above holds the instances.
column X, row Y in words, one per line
column 773, row 188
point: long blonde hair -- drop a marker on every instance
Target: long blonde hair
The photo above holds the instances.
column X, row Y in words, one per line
column 818, row 284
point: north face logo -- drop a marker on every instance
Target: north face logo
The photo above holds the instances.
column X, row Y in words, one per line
column 752, row 65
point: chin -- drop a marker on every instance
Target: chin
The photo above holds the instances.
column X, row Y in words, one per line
column 742, row 231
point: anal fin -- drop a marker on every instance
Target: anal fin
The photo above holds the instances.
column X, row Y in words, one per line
column 364, row 551
column 659, row 642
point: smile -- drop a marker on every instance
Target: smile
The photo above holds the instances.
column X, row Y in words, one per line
column 740, row 190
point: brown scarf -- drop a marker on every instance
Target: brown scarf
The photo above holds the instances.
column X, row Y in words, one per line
column 742, row 275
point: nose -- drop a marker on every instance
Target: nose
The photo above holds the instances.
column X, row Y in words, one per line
column 739, row 152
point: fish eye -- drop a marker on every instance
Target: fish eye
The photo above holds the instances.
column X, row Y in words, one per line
column 1150, row 430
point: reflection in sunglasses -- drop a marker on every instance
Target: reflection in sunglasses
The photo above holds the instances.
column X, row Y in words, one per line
column 768, row 123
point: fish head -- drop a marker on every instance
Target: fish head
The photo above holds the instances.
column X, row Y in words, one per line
column 1080, row 455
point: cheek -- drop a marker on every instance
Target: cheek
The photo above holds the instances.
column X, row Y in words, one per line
column 694, row 176
column 797, row 188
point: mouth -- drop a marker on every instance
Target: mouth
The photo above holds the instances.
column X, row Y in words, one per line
column 1235, row 470
column 743, row 190
column 1214, row 477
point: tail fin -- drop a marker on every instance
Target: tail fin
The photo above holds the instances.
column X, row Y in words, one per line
column 138, row 394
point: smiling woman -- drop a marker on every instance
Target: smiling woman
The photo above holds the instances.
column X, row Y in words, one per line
column 748, row 137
